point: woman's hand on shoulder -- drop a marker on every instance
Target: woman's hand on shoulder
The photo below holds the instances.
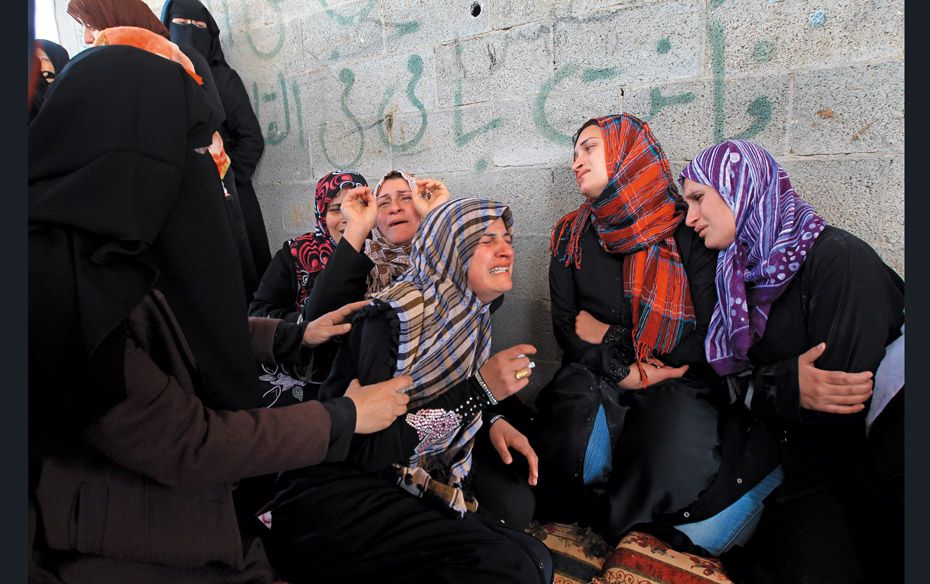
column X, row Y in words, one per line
column 361, row 212
column 834, row 392
column 332, row 324
column 430, row 194
column 590, row 329
column 378, row 405
column 508, row 371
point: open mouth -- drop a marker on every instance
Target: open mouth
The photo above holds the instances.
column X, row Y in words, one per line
column 499, row 270
column 398, row 222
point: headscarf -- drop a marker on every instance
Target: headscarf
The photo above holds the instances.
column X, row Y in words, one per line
column 775, row 228
column 101, row 14
column 207, row 41
column 637, row 215
column 147, row 40
column 390, row 259
column 311, row 250
column 57, row 54
column 120, row 205
column 445, row 329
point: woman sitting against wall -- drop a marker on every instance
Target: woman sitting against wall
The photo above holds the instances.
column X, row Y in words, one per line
column 400, row 509
column 626, row 428
column 805, row 312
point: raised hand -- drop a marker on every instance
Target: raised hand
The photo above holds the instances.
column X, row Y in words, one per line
column 332, row 324
column 430, row 194
column 507, row 372
column 379, row 404
column 504, row 437
column 361, row 211
column 835, row 392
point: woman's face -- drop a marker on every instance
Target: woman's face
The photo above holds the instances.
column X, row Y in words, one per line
column 709, row 215
column 45, row 65
column 90, row 34
column 397, row 217
column 335, row 221
column 590, row 162
column 489, row 272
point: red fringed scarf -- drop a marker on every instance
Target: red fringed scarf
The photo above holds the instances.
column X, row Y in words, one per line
column 636, row 216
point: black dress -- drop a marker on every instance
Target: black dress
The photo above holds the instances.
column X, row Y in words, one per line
column 841, row 502
column 351, row 521
column 663, row 439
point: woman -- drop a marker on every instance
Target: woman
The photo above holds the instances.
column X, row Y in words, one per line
column 400, row 508
column 52, row 58
column 794, row 291
column 190, row 23
column 625, row 429
column 140, row 360
column 132, row 22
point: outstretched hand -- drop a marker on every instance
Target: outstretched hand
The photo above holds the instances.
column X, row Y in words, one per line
column 654, row 375
column 378, row 405
column 504, row 437
column 430, row 194
column 332, row 324
column 835, row 392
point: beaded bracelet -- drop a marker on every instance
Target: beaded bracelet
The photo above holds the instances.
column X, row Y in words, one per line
column 485, row 387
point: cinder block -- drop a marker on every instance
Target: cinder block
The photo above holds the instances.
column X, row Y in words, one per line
column 261, row 50
column 849, row 109
column 510, row 13
column 346, row 32
column 848, row 193
column 373, row 88
column 525, row 321
column 409, row 25
column 773, row 36
column 287, row 209
column 756, row 108
column 279, row 108
column 641, row 44
column 343, row 145
column 493, row 66
column 679, row 114
column 429, row 146
column 538, row 131
column 531, row 267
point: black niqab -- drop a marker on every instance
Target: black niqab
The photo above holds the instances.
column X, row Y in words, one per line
column 207, row 41
column 121, row 203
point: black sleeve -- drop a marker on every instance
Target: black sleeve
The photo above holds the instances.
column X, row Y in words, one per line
column 343, row 281
column 277, row 292
column 611, row 358
column 244, row 134
column 288, row 343
column 855, row 304
column 370, row 356
column 701, row 267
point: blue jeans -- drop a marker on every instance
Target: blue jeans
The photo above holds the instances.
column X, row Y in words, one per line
column 735, row 524
column 597, row 456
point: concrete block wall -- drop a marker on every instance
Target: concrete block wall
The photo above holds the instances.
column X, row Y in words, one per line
column 486, row 93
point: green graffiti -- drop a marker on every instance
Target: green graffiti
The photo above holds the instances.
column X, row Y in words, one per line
column 762, row 52
column 481, row 165
column 657, row 101
column 279, row 39
column 415, row 66
column 760, row 110
column 663, row 46
column 716, row 3
column 273, row 135
column 461, row 137
column 334, row 55
column 301, row 139
column 348, row 79
column 817, row 18
column 227, row 29
column 348, row 20
column 590, row 75
column 406, row 28
column 539, row 108
column 717, row 38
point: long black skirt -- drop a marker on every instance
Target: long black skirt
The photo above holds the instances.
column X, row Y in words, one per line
column 664, row 449
column 339, row 524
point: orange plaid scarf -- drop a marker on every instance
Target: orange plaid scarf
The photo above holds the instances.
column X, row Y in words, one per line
column 636, row 215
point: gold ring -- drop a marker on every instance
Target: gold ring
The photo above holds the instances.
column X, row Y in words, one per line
column 522, row 373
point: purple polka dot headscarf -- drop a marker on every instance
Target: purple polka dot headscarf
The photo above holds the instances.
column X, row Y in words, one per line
column 775, row 228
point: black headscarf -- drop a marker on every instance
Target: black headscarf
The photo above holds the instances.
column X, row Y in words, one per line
column 207, row 41
column 57, row 54
column 121, row 203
